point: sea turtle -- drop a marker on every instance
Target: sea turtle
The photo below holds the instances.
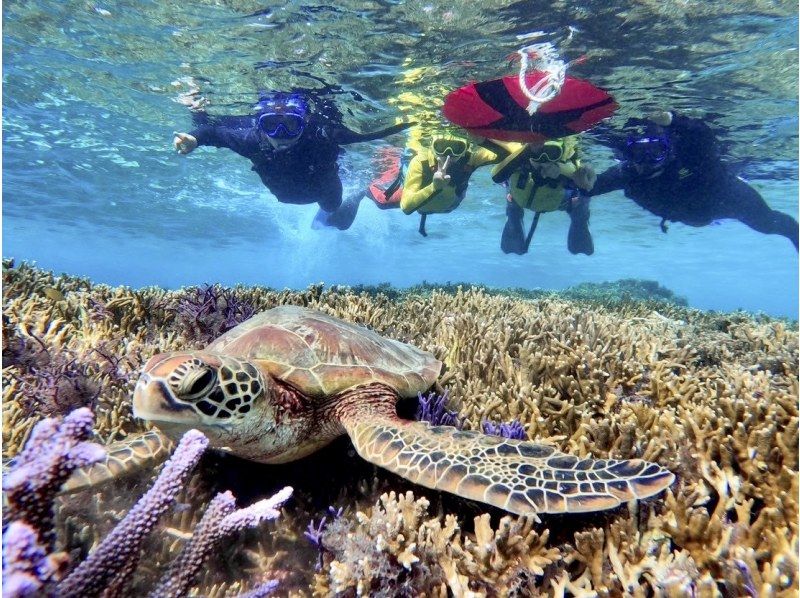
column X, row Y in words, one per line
column 288, row 381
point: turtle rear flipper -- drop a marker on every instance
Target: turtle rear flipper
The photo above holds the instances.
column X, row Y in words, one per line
column 515, row 475
column 122, row 458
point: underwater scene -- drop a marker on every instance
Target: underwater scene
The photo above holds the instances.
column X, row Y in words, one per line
column 392, row 298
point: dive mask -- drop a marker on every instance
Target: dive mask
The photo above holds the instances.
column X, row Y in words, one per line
column 442, row 146
column 551, row 151
column 277, row 125
column 647, row 151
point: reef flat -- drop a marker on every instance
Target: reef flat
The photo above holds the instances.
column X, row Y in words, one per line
column 713, row 397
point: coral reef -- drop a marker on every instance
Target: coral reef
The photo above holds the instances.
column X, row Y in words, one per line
column 512, row 429
column 619, row 291
column 714, row 397
column 208, row 312
column 432, row 408
column 55, row 449
column 626, row 289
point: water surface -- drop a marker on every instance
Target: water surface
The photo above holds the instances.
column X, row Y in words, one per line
column 93, row 187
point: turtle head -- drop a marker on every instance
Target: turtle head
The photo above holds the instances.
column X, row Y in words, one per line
column 213, row 393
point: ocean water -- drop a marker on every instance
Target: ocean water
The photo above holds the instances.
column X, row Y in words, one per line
column 93, row 187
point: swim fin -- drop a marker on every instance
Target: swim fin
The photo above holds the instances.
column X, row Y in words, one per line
column 342, row 217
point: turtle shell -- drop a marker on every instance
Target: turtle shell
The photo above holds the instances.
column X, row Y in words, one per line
column 321, row 355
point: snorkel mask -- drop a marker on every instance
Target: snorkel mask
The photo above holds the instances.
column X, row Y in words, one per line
column 647, row 153
column 283, row 116
column 549, row 151
column 449, row 146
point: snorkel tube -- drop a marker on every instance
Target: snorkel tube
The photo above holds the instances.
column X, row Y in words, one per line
column 544, row 58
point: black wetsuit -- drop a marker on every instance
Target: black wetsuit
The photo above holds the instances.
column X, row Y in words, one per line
column 305, row 172
column 695, row 187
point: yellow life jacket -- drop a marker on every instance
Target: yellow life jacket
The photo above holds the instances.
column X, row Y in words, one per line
column 529, row 187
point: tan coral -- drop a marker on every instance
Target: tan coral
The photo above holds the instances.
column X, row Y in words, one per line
column 711, row 396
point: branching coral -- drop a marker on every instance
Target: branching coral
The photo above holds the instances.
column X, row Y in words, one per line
column 513, row 429
column 49, row 382
column 713, row 397
column 433, row 408
column 55, row 449
column 396, row 548
column 220, row 520
column 207, row 312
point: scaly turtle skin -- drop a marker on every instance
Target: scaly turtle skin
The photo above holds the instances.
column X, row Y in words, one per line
column 288, row 381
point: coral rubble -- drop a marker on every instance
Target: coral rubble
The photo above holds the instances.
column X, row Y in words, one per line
column 713, row 397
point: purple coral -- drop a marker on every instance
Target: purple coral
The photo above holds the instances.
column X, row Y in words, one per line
column 512, row 429
column 26, row 567
column 121, row 368
column 212, row 310
column 220, row 520
column 114, row 560
column 432, row 409
column 314, row 532
column 262, row 590
column 53, row 451
column 50, row 382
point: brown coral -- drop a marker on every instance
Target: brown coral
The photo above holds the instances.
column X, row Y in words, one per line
column 713, row 397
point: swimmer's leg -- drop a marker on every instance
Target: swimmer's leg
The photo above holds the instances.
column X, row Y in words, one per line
column 343, row 216
column 513, row 239
column 579, row 238
column 745, row 204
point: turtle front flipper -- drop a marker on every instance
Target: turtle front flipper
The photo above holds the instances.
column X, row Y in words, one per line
column 518, row 476
column 122, row 458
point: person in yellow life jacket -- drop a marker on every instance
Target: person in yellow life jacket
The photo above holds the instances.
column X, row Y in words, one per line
column 544, row 178
column 437, row 177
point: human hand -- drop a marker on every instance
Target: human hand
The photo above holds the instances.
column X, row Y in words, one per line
column 662, row 118
column 549, row 170
column 440, row 177
column 585, row 177
column 184, row 143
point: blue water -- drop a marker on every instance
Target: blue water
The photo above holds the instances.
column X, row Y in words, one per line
column 92, row 186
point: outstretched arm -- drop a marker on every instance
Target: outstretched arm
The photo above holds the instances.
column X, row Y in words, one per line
column 608, row 181
column 233, row 132
column 342, row 135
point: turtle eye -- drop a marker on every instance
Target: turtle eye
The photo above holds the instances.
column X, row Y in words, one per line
column 202, row 384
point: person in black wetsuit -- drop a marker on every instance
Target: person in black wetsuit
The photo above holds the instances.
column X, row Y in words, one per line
column 293, row 150
column 674, row 171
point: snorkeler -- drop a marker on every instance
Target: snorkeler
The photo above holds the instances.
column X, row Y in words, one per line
column 545, row 177
column 674, row 171
column 293, row 149
column 437, row 177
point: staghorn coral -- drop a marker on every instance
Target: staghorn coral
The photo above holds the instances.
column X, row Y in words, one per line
column 55, row 449
column 221, row 519
column 432, row 408
column 206, row 313
column 396, row 549
column 711, row 396
column 512, row 429
column 111, row 564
